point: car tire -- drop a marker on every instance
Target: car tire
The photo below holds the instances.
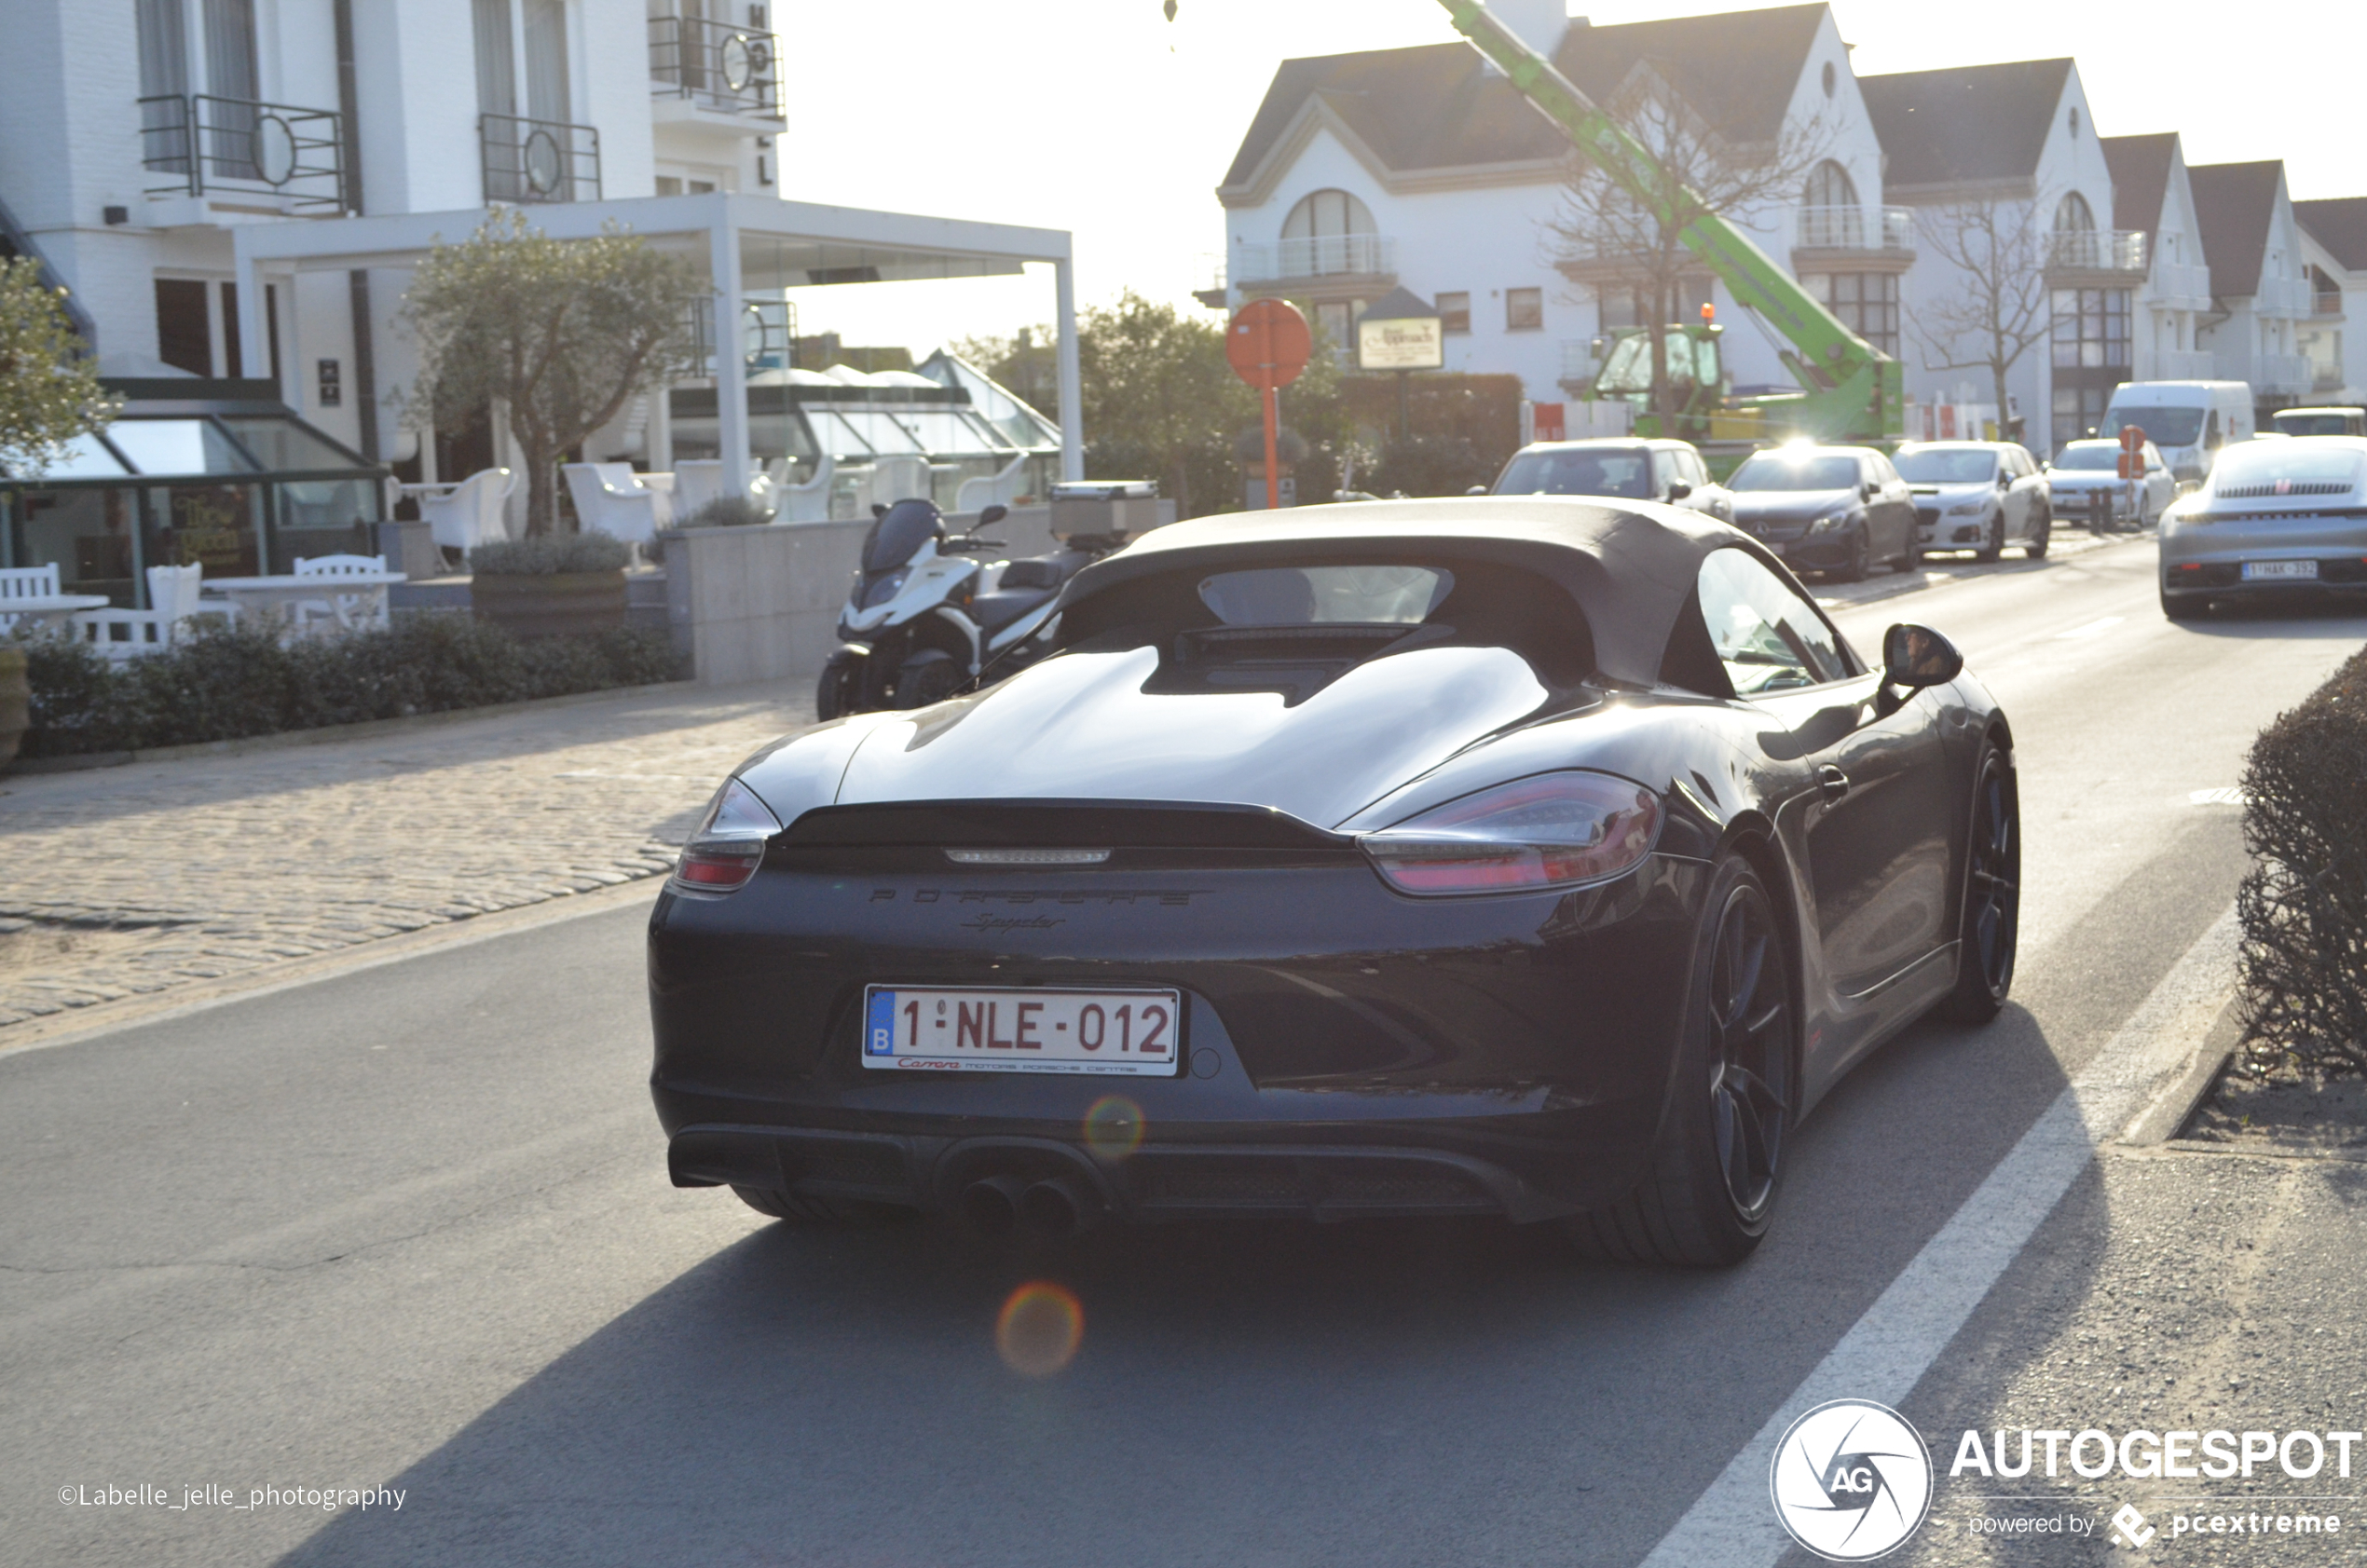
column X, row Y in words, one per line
column 1860, row 560
column 1910, row 556
column 1717, row 1162
column 840, row 691
column 2036, row 548
column 798, row 1208
column 2183, row 606
column 1990, row 922
column 930, row 675
column 1992, row 548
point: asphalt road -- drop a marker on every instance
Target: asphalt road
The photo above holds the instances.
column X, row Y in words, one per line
column 409, row 1228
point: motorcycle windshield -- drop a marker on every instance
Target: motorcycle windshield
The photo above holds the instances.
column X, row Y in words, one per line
column 898, row 534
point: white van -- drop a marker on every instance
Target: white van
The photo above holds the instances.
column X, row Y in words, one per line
column 2189, row 420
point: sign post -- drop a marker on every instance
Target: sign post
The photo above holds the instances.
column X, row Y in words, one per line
column 1268, row 345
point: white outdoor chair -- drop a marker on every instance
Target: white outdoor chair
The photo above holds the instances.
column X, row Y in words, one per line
column 610, row 500
column 977, row 494
column 344, row 612
column 26, row 582
column 121, row 634
column 467, row 513
column 809, row 503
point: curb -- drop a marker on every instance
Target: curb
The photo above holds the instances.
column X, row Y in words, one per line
column 2171, row 1110
column 76, row 762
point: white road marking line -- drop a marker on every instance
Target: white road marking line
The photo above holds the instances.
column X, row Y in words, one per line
column 2230, row 796
column 2093, row 629
column 1888, row 1350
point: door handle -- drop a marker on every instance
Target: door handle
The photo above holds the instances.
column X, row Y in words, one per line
column 1831, row 782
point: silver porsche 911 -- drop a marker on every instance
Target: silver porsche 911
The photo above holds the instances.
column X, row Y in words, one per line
column 2275, row 518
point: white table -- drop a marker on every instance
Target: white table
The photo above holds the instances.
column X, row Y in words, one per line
column 46, row 612
column 279, row 596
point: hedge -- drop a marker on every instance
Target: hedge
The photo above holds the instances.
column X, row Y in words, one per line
column 225, row 685
column 2303, row 906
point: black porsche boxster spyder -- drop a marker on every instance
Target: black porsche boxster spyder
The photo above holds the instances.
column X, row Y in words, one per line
column 1515, row 856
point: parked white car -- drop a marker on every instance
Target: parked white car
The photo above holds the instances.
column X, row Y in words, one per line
column 2085, row 467
column 1980, row 495
column 1630, row 467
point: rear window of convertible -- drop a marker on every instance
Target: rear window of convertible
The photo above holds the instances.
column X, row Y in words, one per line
column 1317, row 596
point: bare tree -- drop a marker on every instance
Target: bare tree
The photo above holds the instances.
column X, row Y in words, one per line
column 1602, row 233
column 2000, row 309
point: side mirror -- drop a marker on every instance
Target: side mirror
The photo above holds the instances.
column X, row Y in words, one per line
column 2004, row 481
column 1915, row 657
column 879, row 508
column 1476, row 490
column 992, row 515
column 1870, row 489
column 1679, row 490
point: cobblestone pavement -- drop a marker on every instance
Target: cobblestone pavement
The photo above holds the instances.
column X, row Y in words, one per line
column 120, row 881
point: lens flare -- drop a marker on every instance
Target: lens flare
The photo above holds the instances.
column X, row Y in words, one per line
column 1113, row 1127
column 1039, row 1329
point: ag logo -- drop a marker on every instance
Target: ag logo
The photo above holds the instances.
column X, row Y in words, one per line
column 1851, row 1480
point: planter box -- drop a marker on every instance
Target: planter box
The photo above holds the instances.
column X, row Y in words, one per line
column 549, row 606
column 16, row 700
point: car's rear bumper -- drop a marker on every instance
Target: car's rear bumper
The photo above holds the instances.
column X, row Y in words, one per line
column 2210, row 560
column 1346, row 1050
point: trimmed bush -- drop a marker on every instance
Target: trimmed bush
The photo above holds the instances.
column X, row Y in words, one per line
column 228, row 685
column 726, row 511
column 550, row 554
column 2303, row 907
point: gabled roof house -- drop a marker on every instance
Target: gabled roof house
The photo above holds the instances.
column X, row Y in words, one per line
column 2334, row 246
column 2260, row 295
column 2152, row 196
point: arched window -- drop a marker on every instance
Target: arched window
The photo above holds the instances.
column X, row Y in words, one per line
column 2072, row 215
column 1329, row 231
column 1830, row 185
column 1829, row 209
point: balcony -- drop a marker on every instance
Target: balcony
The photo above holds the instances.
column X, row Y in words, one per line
column 2283, row 372
column 539, row 160
column 1343, row 256
column 294, row 158
column 2326, row 303
column 2096, row 250
column 2179, row 284
column 2281, row 296
column 1852, row 228
column 713, row 68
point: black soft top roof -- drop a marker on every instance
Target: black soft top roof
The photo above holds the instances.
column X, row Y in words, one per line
column 1630, row 568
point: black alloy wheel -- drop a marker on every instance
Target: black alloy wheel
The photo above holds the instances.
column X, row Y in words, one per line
column 2036, row 548
column 1710, row 1192
column 1993, row 893
column 1992, row 548
column 840, row 691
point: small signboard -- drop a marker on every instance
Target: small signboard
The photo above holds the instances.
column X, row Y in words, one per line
column 1400, row 331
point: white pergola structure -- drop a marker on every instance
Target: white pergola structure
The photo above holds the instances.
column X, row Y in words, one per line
column 750, row 242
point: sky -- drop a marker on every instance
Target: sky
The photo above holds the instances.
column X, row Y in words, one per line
column 1104, row 118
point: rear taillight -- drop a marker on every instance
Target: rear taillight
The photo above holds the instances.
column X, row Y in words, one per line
column 1549, row 830
column 727, row 846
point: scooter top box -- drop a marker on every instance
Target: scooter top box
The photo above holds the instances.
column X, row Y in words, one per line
column 1103, row 509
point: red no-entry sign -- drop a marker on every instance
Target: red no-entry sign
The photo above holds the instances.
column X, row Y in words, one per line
column 1268, row 344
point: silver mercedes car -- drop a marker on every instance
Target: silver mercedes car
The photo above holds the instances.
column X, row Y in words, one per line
column 2275, row 517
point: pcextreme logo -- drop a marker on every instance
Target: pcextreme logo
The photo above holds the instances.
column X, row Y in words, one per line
column 1851, row 1480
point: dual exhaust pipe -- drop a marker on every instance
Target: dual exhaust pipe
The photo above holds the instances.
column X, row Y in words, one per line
column 1050, row 1207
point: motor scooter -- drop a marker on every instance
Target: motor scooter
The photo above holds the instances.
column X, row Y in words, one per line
column 927, row 619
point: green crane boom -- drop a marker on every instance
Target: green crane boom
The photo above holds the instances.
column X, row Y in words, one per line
column 1850, row 390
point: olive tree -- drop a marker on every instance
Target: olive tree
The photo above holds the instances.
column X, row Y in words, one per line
column 562, row 333
column 49, row 390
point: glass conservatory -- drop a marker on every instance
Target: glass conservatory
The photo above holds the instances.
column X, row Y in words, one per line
column 948, row 414
column 191, row 471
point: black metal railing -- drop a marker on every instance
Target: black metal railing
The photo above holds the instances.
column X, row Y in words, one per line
column 539, row 160
column 210, row 143
column 715, row 65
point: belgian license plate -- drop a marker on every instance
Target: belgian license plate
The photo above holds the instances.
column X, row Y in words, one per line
column 2271, row 571
column 1128, row 1034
